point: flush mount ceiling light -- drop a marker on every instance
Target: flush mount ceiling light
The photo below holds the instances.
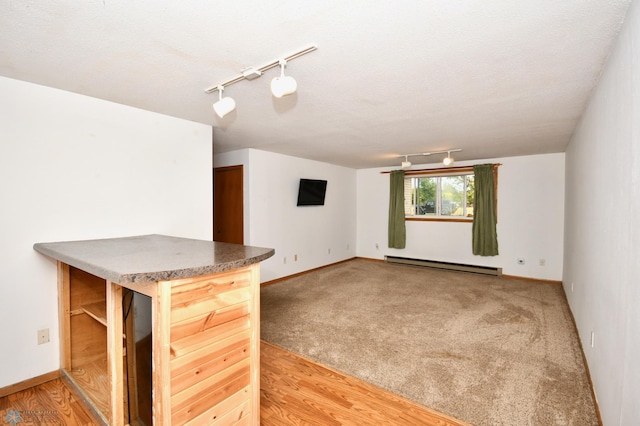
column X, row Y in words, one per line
column 280, row 86
column 448, row 160
column 223, row 106
column 283, row 85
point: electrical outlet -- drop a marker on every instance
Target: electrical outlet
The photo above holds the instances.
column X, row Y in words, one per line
column 542, row 262
column 347, row 247
column 295, row 257
column 43, row 336
column 593, row 338
column 284, row 260
column 377, row 247
column 329, row 251
column 571, row 286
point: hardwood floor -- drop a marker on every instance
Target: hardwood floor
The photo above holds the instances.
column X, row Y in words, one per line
column 294, row 391
column 297, row 391
column 51, row 403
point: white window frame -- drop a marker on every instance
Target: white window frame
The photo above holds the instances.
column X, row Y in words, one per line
column 437, row 216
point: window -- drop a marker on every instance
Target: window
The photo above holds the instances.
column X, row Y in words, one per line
column 444, row 196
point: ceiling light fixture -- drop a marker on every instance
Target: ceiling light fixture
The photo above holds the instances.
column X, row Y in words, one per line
column 283, row 85
column 223, row 106
column 406, row 163
column 448, row 160
column 280, row 86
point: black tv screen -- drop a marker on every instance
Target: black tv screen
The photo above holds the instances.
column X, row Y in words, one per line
column 311, row 192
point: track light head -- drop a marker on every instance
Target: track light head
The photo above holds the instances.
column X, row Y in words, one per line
column 224, row 105
column 283, row 85
column 448, row 160
column 406, row 163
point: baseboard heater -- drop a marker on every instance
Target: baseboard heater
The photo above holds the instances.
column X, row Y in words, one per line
column 459, row 267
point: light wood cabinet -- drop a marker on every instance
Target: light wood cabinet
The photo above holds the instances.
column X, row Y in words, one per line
column 204, row 345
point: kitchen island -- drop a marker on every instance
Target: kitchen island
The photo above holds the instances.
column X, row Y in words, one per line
column 205, row 333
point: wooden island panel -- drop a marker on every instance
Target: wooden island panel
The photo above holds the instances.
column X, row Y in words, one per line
column 212, row 357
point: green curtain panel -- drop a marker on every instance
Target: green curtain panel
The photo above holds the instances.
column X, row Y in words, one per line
column 485, row 238
column 397, row 230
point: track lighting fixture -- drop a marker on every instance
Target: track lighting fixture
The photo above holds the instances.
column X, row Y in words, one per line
column 280, row 86
column 448, row 160
column 283, row 85
column 223, row 106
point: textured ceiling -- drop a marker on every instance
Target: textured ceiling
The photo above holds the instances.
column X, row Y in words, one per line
column 495, row 78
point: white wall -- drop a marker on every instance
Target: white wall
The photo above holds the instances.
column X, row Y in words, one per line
column 602, row 241
column 318, row 235
column 74, row 167
column 530, row 210
column 530, row 220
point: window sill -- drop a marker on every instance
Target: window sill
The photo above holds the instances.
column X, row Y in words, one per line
column 439, row 219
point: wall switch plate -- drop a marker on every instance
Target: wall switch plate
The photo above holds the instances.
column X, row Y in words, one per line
column 43, row 336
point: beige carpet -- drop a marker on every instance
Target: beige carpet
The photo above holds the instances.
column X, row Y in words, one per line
column 489, row 351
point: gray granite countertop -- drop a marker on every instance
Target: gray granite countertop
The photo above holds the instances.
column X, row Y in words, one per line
column 148, row 258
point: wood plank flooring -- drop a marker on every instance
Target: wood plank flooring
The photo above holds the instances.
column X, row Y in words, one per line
column 51, row 403
column 297, row 391
column 294, row 391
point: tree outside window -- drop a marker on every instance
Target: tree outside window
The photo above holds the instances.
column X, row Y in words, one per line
column 447, row 196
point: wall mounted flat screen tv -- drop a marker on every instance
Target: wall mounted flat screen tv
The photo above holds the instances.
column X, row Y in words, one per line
column 311, row 192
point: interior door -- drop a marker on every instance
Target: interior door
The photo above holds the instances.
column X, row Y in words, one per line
column 228, row 204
